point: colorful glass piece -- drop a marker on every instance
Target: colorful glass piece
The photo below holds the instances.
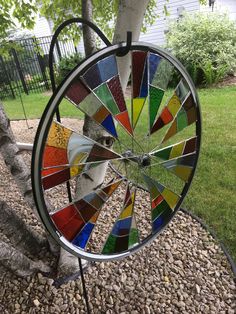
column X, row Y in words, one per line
column 68, row 221
column 177, row 150
column 185, row 117
column 167, row 114
column 124, row 234
column 99, row 153
column 90, row 105
column 58, row 135
column 56, row 178
column 77, row 92
column 138, row 69
column 89, row 208
column 154, row 61
column 137, row 107
column 163, row 74
column 155, row 98
column 101, row 72
column 144, row 85
column 108, row 68
column 109, row 125
column 117, row 93
column 104, row 94
column 53, row 156
column 101, row 114
column 123, row 119
column 163, row 202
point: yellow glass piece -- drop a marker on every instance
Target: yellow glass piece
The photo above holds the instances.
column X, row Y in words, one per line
column 177, row 150
column 76, row 169
column 174, row 105
column 127, row 212
column 58, row 135
column 137, row 106
column 170, row 197
column 183, row 172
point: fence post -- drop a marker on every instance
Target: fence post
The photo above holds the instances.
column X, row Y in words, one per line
column 19, row 71
column 41, row 65
column 7, row 77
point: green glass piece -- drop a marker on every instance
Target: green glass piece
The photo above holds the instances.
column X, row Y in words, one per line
column 104, row 94
column 133, row 237
column 156, row 95
column 164, row 153
column 182, row 120
column 160, row 208
column 109, row 246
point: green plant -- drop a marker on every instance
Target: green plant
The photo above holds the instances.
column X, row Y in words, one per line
column 205, row 44
column 66, row 64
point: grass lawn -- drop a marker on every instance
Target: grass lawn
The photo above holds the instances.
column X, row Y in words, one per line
column 212, row 195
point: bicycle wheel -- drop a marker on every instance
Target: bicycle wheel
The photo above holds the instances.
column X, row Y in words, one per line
column 155, row 129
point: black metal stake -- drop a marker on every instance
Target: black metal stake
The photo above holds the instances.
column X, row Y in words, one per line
column 84, row 286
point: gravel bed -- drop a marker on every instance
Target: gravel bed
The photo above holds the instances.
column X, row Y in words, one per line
column 183, row 271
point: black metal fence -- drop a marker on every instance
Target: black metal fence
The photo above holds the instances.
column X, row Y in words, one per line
column 25, row 68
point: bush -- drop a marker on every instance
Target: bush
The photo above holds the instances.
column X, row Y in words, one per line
column 67, row 64
column 206, row 45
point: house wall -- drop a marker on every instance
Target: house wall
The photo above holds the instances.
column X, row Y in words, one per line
column 156, row 33
column 227, row 6
column 42, row 27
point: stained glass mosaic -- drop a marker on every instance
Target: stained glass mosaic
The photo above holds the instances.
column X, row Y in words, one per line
column 115, row 183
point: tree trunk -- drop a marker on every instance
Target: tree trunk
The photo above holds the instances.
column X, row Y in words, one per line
column 130, row 18
column 19, row 233
column 88, row 34
column 18, row 263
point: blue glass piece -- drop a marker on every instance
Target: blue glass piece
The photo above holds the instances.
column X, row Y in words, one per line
column 144, row 86
column 122, row 227
column 82, row 238
column 157, row 223
column 88, row 198
column 92, row 77
column 108, row 68
column 154, row 60
column 109, row 125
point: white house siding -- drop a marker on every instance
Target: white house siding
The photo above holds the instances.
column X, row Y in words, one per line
column 227, row 6
column 42, row 27
column 156, row 33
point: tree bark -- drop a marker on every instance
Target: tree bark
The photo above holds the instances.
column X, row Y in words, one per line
column 19, row 233
column 130, row 18
column 88, row 34
column 18, row 263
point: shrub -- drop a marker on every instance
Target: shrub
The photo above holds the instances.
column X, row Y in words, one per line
column 67, row 64
column 205, row 44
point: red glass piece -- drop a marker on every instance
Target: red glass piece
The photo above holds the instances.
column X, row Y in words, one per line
column 157, row 201
column 138, row 67
column 56, row 179
column 77, row 92
column 123, row 118
column 166, row 116
column 68, row 222
column 117, row 93
column 54, row 156
column 47, row 172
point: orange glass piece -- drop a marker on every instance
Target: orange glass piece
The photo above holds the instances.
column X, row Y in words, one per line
column 123, row 118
